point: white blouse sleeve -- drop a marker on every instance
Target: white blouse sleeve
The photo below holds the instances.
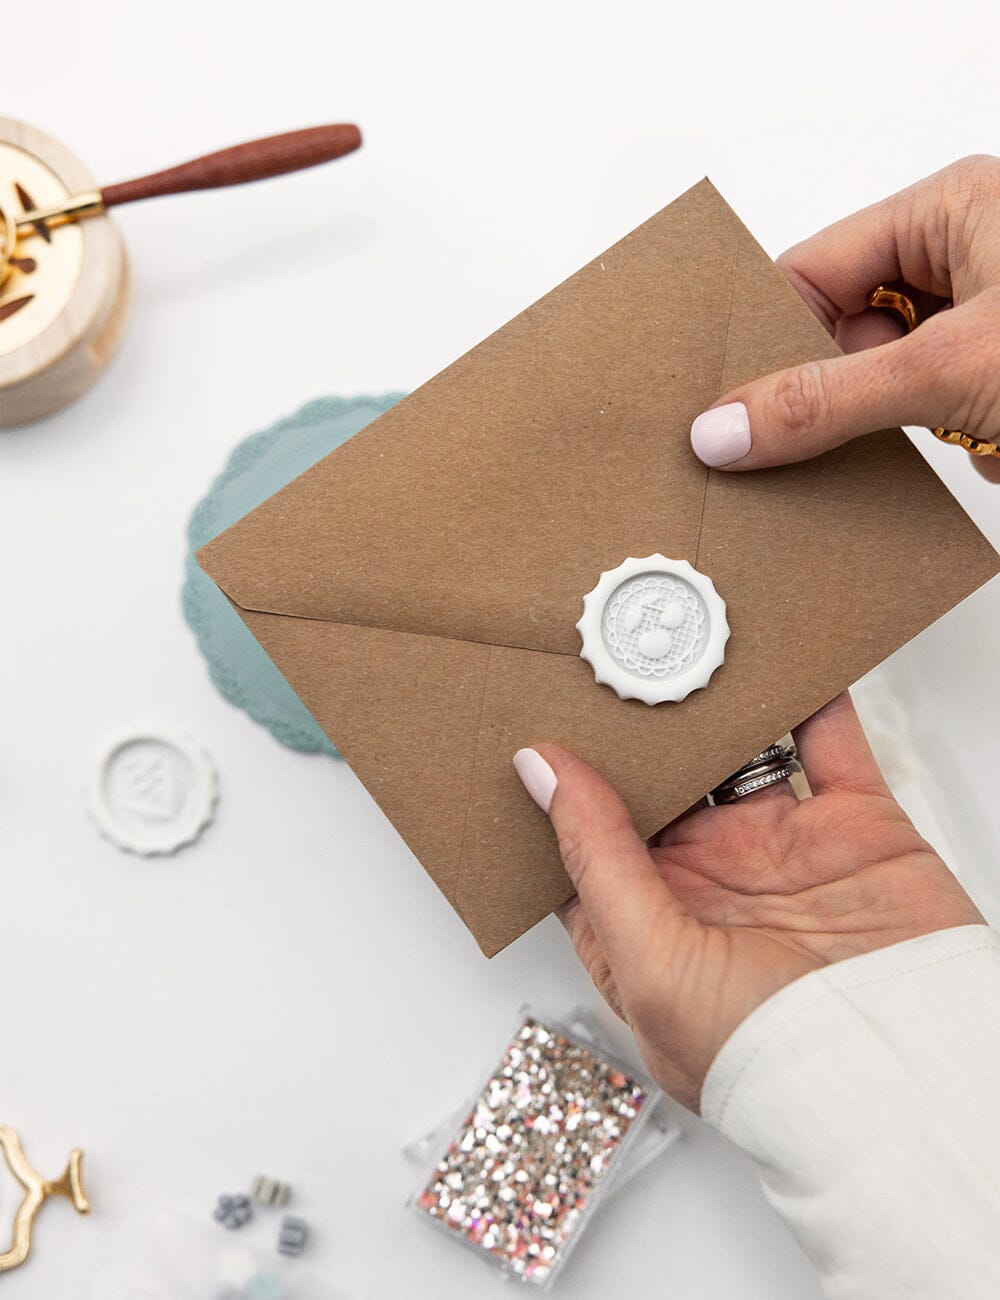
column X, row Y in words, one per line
column 868, row 1093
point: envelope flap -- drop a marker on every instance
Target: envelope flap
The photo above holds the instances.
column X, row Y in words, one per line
column 485, row 505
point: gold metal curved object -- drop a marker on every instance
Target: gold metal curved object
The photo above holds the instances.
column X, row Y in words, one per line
column 903, row 306
column 36, row 1191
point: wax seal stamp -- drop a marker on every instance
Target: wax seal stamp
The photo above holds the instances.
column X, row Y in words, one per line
column 64, row 293
column 654, row 629
column 36, row 1191
column 152, row 790
column 64, row 280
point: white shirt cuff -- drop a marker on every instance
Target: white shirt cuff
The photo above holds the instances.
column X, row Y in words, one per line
column 868, row 1093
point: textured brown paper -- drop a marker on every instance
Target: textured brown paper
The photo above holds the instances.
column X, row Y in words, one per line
column 419, row 586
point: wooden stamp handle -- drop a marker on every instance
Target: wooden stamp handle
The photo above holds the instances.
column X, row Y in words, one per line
column 253, row 161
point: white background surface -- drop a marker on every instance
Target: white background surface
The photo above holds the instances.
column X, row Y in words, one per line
column 291, row 995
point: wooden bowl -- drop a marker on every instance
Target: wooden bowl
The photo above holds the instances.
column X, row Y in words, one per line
column 63, row 308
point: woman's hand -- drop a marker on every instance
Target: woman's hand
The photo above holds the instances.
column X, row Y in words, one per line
column 686, row 938
column 941, row 237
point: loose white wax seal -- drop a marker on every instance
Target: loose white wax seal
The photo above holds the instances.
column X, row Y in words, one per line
column 152, row 790
column 654, row 629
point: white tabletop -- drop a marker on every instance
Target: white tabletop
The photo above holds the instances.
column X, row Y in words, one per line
column 291, row 995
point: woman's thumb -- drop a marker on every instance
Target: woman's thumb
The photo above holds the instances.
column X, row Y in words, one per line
column 797, row 413
column 623, row 894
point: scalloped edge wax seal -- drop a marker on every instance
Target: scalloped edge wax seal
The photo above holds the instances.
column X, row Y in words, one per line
column 669, row 683
column 152, row 790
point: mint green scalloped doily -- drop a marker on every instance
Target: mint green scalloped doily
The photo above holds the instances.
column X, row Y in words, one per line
column 257, row 468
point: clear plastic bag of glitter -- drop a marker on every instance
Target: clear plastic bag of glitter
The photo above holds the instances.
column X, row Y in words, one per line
column 557, row 1125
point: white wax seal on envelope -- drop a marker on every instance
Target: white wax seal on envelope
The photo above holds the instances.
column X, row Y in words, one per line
column 152, row 790
column 654, row 629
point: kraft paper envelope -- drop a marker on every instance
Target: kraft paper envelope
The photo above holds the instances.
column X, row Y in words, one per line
column 419, row 586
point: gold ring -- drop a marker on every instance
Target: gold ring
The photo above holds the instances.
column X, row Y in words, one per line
column 893, row 300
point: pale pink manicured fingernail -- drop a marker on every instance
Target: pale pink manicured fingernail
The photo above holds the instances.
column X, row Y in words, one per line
column 722, row 435
column 538, row 778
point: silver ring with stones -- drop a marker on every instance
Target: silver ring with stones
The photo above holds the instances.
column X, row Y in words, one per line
column 774, row 764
